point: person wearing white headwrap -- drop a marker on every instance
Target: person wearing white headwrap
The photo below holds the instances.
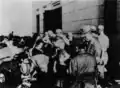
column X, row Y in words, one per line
column 70, row 36
column 59, row 34
column 103, row 39
column 104, row 42
column 60, row 65
column 51, row 34
column 60, row 43
column 46, row 38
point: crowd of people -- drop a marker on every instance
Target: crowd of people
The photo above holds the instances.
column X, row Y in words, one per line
column 52, row 53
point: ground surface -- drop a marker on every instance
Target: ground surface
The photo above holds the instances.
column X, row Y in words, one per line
column 6, row 86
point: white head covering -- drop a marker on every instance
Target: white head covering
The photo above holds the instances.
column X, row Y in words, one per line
column 86, row 28
column 101, row 28
column 93, row 28
column 51, row 34
column 70, row 36
column 59, row 31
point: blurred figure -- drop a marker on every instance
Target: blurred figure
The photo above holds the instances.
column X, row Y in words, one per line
column 46, row 38
column 15, row 50
column 59, row 32
column 71, row 48
column 94, row 31
column 60, row 67
column 103, row 39
column 60, row 35
column 70, row 36
column 94, row 44
column 61, row 42
column 87, row 32
column 51, row 34
column 104, row 42
column 93, row 28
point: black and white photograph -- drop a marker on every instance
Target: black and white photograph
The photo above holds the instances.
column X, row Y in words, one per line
column 59, row 43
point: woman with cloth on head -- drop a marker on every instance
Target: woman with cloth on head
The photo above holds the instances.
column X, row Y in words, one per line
column 60, row 43
column 60, row 66
column 104, row 42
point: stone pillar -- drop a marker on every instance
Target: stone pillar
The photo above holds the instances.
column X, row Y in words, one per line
column 41, row 21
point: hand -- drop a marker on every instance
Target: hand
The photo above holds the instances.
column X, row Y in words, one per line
column 1, row 61
column 54, row 69
column 61, row 35
column 30, row 52
column 102, row 75
column 67, row 71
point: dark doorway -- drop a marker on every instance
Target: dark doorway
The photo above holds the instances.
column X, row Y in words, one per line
column 53, row 19
column 110, row 16
column 38, row 23
column 110, row 19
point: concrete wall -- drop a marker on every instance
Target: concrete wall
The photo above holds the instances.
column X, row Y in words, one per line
column 78, row 12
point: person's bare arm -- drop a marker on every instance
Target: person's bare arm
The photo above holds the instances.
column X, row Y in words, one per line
column 66, row 40
column 6, row 59
column 108, row 41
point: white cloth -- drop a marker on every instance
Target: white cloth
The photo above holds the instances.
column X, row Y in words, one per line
column 41, row 61
column 104, row 41
column 39, row 46
column 13, row 49
column 105, row 58
column 63, row 57
column 5, row 52
column 60, row 43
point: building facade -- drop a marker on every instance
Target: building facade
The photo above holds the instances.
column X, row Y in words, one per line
column 74, row 13
column 79, row 12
